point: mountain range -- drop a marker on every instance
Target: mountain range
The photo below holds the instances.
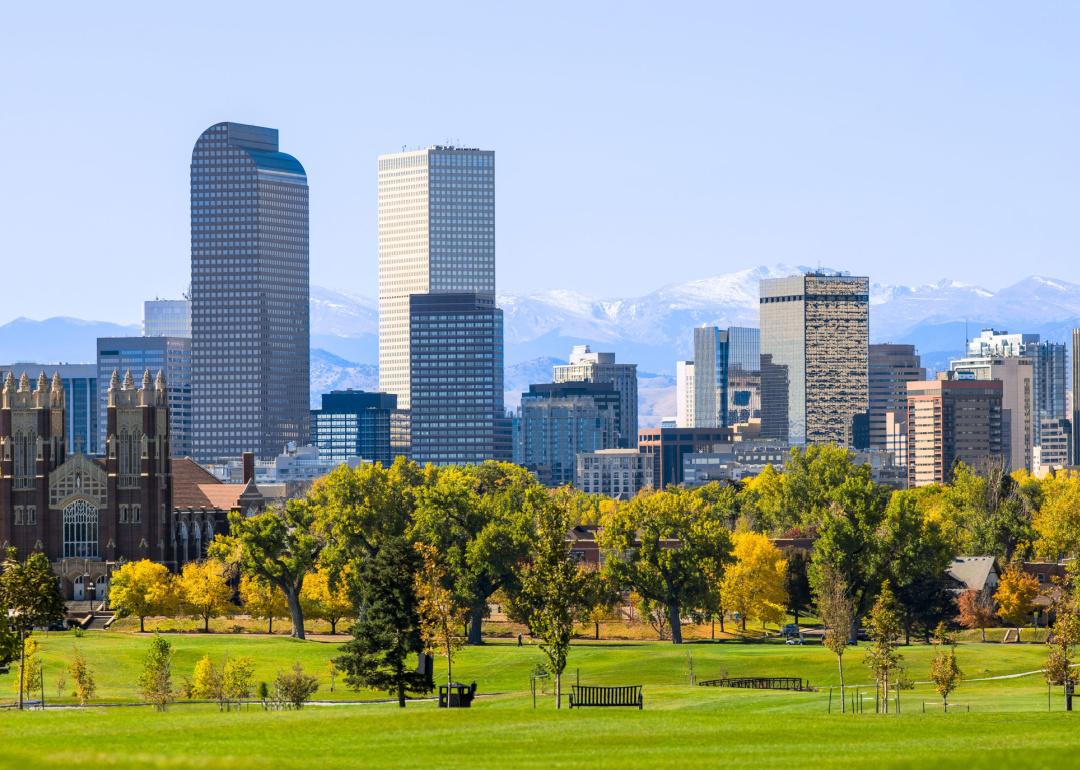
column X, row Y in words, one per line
column 653, row 330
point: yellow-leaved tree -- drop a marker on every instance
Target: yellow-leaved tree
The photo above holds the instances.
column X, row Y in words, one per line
column 754, row 585
column 204, row 586
column 322, row 599
column 141, row 589
column 1057, row 521
column 1015, row 596
column 263, row 600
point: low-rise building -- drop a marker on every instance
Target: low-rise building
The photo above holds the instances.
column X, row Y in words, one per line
column 616, row 473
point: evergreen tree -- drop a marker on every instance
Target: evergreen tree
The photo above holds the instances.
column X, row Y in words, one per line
column 30, row 598
column 388, row 629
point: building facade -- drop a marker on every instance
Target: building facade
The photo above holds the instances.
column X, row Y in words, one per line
column 615, row 473
column 436, row 235
column 456, row 379
column 85, row 513
column 744, row 374
column 1075, row 397
column 890, row 368
column 354, row 424
column 81, row 412
column 665, row 449
column 710, row 377
column 1016, row 374
column 815, row 333
column 250, row 327
column 558, row 421
column 167, row 318
column 587, row 366
column 952, row 421
column 684, row 394
column 1055, row 447
column 172, row 355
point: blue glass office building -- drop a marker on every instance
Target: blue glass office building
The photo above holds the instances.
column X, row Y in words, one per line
column 353, row 423
column 249, row 294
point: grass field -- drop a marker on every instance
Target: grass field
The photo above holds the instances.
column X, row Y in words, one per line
column 1008, row 724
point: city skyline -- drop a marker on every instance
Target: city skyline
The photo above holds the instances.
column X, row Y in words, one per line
column 799, row 171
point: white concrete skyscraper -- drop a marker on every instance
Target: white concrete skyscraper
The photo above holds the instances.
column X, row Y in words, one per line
column 436, row 236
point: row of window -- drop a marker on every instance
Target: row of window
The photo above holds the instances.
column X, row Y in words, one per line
column 25, row 515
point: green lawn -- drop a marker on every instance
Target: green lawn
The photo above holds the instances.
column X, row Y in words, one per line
column 1008, row 724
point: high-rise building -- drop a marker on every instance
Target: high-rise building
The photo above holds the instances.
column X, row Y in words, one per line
column 815, row 332
column 890, row 369
column 456, row 379
column 587, row 366
column 744, row 374
column 81, row 415
column 1055, row 448
column 952, row 421
column 353, row 423
column 684, row 394
column 167, row 318
column 1016, row 374
column 710, row 377
column 561, row 420
column 169, row 355
column 1076, row 396
column 250, row 334
column 436, row 235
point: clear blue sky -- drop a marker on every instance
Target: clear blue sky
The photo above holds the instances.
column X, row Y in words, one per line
column 637, row 144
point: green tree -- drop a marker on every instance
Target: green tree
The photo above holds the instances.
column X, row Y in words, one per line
column 884, row 627
column 31, row 595
column 141, row 589
column 277, row 546
column 987, row 514
column 837, row 612
column 670, row 547
column 555, row 589
column 30, row 679
column 295, row 687
column 155, row 681
column 441, row 617
column 473, row 516
column 388, row 629
column 797, row 582
column 945, row 672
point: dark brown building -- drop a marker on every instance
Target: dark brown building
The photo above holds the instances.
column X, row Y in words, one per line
column 666, row 448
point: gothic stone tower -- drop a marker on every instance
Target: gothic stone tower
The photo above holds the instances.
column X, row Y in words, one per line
column 31, row 447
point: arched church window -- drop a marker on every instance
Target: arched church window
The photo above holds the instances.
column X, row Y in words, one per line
column 80, row 530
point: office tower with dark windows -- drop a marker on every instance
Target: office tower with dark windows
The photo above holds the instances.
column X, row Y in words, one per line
column 952, row 421
column 744, row 374
column 456, row 379
column 891, row 368
column 249, row 294
column 710, row 377
column 167, row 318
column 560, row 420
column 436, row 235
column 354, row 423
column 587, row 366
column 815, row 332
column 169, row 355
column 1016, row 375
column 80, row 382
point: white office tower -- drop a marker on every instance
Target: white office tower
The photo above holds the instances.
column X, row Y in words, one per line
column 436, row 236
column 684, row 394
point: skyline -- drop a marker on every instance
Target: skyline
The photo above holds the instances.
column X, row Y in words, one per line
column 875, row 141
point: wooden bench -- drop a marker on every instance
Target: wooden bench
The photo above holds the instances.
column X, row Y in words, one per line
column 590, row 695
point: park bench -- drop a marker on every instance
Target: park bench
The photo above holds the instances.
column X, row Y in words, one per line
column 591, row 695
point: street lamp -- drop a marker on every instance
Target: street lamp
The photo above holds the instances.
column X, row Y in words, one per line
column 90, row 589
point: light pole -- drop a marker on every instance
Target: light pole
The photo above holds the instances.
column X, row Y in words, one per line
column 90, row 589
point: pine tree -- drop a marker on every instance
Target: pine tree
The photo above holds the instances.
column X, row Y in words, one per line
column 388, row 630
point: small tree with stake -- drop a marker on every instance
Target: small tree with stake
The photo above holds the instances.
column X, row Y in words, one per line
column 440, row 615
column 837, row 611
column 885, row 628
column 944, row 670
column 555, row 590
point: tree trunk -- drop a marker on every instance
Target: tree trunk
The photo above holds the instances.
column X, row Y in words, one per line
column 983, row 629
column 596, row 630
column 712, row 631
column 744, row 622
column 795, row 612
column 333, row 626
column 271, row 619
column 676, row 623
column 449, row 670
column 476, row 619
column 907, row 633
column 558, row 690
column 722, row 621
column 840, row 665
column 296, row 612
column 22, row 667
column 206, row 624
column 142, row 627
column 401, row 694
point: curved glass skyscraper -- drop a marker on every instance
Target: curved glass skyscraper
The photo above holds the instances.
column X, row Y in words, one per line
column 249, row 294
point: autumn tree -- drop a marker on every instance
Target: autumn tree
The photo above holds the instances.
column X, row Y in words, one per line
column 205, row 589
column 985, row 514
column 555, row 589
column 387, row 631
column 1015, row 596
column 30, row 680
column 441, row 617
column 278, row 546
column 29, row 598
column 753, row 585
column 976, row 610
column 326, row 598
column 884, row 626
column 669, row 546
column 206, row 682
column 237, row 678
column 83, row 685
column 1060, row 668
column 945, row 672
column 263, row 600
column 1057, row 521
column 141, row 589
column 473, row 516
column 837, row 613
column 155, row 681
